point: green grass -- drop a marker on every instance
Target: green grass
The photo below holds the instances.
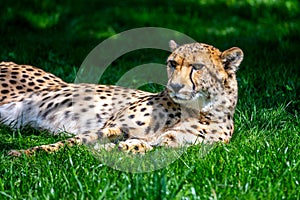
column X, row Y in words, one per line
column 261, row 162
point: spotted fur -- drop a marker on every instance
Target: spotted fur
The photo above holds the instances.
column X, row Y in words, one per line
column 197, row 105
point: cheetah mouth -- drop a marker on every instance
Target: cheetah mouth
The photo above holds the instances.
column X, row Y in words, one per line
column 183, row 98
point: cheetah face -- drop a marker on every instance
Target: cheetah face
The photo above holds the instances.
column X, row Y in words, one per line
column 199, row 70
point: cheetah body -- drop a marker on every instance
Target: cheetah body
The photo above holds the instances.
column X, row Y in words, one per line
column 197, row 105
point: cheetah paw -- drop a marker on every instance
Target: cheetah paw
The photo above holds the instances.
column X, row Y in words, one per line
column 14, row 153
column 135, row 146
column 18, row 153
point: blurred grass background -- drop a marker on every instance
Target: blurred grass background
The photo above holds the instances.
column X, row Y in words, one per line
column 261, row 162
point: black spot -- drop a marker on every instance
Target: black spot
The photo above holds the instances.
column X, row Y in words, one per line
column 102, row 97
column 112, row 125
column 64, row 101
column 31, row 84
column 171, row 115
column 99, row 116
column 40, row 81
column 68, row 94
column 88, row 90
column 169, row 103
column 131, row 116
column 14, row 73
column 57, row 95
column 12, row 81
column 45, row 98
column 4, row 85
column 132, row 107
column 29, row 69
column 4, row 91
column 202, row 136
column 49, row 105
column 140, row 123
column 19, row 87
column 146, row 114
column 150, row 103
column 45, row 114
column 143, row 109
column 194, row 126
column 87, row 98
column 83, row 110
column 214, row 131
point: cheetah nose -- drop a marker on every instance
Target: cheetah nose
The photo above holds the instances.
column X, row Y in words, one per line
column 176, row 87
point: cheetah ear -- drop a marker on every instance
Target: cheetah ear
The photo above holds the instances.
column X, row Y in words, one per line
column 173, row 45
column 232, row 58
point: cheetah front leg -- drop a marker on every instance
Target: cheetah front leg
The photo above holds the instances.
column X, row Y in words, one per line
column 186, row 134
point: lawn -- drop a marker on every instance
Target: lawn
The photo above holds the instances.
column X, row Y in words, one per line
column 262, row 161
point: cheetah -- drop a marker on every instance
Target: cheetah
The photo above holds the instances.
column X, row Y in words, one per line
column 197, row 105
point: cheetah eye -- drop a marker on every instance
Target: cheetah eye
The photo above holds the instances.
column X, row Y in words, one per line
column 172, row 64
column 197, row 66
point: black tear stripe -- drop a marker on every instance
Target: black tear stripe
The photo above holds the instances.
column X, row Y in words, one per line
column 194, row 87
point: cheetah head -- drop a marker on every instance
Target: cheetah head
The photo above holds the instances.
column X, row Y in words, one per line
column 200, row 71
